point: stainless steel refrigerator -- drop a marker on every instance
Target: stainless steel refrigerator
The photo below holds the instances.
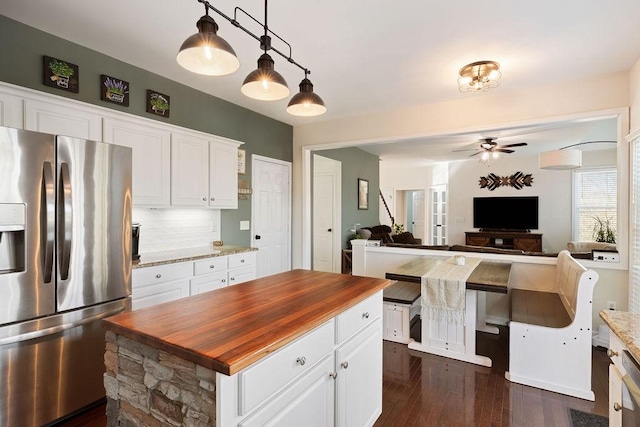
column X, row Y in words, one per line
column 65, row 263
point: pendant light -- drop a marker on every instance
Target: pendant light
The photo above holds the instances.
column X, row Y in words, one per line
column 265, row 83
column 207, row 53
column 306, row 103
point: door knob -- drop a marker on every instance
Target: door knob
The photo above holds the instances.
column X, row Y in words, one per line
column 258, row 237
column 329, row 230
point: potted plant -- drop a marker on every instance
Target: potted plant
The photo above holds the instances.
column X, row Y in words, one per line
column 398, row 228
column 603, row 231
column 61, row 72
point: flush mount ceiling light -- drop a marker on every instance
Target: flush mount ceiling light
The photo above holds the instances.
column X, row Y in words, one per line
column 479, row 76
column 306, row 103
column 207, row 53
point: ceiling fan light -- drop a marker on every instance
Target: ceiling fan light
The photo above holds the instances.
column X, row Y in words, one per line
column 265, row 83
column 570, row 158
column 207, row 53
column 306, row 103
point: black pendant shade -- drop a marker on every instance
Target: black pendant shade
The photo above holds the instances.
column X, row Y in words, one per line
column 265, row 83
column 306, row 103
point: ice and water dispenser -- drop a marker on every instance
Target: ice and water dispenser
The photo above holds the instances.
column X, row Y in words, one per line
column 12, row 229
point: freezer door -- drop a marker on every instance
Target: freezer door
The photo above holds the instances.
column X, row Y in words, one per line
column 93, row 227
column 27, row 289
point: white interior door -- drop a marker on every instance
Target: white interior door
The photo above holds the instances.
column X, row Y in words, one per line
column 438, row 217
column 271, row 215
column 417, row 207
column 326, row 214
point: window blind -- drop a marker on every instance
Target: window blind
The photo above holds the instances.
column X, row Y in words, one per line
column 595, row 196
column 634, row 258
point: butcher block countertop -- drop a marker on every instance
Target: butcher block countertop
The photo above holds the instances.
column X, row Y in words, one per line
column 228, row 329
column 626, row 326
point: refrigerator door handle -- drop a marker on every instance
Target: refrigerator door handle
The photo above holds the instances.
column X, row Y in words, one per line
column 59, row 328
column 65, row 226
column 47, row 223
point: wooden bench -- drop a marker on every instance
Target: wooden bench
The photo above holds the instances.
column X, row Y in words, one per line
column 550, row 332
column 398, row 300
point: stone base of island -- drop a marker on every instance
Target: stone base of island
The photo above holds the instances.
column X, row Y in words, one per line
column 296, row 348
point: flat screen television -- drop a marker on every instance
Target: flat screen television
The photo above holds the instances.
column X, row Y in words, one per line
column 505, row 213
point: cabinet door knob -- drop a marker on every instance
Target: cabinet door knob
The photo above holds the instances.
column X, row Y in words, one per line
column 212, row 266
column 617, row 407
column 329, row 230
column 365, row 315
column 213, row 199
column 301, row 361
column 242, row 260
column 204, row 199
column 344, row 365
column 333, row 375
column 231, row 279
column 611, row 353
column 158, row 276
column 224, row 280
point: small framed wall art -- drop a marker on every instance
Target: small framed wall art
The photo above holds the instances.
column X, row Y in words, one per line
column 242, row 162
column 363, row 193
column 158, row 103
column 114, row 90
column 60, row 74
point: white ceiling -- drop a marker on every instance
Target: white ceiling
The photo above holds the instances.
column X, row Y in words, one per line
column 365, row 56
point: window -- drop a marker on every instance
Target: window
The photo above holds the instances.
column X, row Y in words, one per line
column 595, row 198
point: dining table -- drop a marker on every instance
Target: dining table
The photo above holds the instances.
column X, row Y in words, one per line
column 444, row 336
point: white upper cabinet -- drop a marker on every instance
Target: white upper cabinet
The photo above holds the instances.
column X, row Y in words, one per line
column 151, row 159
column 223, row 175
column 11, row 111
column 189, row 170
column 61, row 119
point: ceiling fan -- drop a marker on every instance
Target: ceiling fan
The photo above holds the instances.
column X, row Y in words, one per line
column 489, row 148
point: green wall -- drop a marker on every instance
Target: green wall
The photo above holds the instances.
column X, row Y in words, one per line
column 22, row 48
column 356, row 163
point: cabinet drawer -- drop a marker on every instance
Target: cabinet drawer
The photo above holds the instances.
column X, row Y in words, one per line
column 260, row 381
column 210, row 265
column 159, row 274
column 242, row 260
column 358, row 316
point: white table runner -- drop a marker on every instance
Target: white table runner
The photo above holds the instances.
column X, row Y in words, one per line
column 443, row 290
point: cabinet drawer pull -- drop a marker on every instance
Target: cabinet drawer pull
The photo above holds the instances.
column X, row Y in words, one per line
column 213, row 199
column 611, row 353
column 212, row 266
column 344, row 365
column 242, row 260
column 224, row 280
column 204, row 199
column 365, row 315
column 158, row 276
column 301, row 361
column 617, row 407
column 333, row 375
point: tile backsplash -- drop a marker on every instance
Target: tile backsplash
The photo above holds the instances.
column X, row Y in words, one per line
column 166, row 229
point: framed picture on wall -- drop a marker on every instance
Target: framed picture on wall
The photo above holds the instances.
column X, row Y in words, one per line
column 363, row 193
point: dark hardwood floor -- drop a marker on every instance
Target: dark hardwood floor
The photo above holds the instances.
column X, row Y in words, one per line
column 421, row 389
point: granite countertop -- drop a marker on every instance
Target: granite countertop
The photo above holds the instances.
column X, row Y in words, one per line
column 190, row 254
column 231, row 328
column 626, row 326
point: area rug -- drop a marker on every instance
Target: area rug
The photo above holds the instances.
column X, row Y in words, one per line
column 585, row 419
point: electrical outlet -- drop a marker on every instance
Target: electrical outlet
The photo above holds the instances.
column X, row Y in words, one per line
column 611, row 305
column 244, row 225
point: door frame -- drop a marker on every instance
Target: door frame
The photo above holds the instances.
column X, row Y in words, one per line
column 257, row 157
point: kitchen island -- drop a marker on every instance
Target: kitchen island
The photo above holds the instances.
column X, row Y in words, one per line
column 300, row 346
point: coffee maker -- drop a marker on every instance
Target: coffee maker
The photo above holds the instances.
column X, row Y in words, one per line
column 135, row 240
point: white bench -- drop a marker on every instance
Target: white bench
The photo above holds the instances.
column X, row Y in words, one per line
column 401, row 303
column 550, row 332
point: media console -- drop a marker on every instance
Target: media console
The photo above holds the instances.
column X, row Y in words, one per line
column 521, row 240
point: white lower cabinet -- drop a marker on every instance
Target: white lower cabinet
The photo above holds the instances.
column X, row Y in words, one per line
column 317, row 380
column 155, row 285
column 359, row 388
column 615, row 396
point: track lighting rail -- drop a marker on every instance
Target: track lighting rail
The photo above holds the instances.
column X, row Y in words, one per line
column 237, row 24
